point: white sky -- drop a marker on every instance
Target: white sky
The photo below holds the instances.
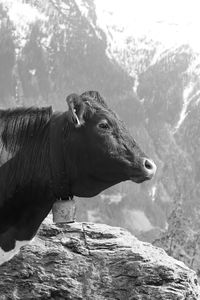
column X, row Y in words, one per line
column 171, row 21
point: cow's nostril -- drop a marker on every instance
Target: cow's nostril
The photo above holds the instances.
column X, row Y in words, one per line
column 149, row 166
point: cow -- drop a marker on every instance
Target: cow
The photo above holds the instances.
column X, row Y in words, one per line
column 46, row 156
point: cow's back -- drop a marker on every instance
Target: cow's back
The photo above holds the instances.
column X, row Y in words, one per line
column 5, row 155
column 19, row 131
column 18, row 127
column 24, row 171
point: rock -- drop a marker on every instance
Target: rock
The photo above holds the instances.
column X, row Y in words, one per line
column 95, row 262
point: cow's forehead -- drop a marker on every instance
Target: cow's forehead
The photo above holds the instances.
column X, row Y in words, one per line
column 100, row 112
column 94, row 98
column 96, row 106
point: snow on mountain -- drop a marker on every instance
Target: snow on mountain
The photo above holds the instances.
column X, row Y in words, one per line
column 153, row 19
column 151, row 25
column 22, row 15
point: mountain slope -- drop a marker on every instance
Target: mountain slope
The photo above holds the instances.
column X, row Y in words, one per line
column 49, row 49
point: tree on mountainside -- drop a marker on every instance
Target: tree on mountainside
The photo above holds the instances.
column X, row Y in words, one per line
column 33, row 68
column 182, row 237
column 7, row 57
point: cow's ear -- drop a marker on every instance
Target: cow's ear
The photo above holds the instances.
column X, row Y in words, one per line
column 76, row 109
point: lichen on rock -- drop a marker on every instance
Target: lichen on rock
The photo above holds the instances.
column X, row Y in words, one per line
column 94, row 261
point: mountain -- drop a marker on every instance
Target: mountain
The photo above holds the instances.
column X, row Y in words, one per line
column 49, row 49
column 57, row 52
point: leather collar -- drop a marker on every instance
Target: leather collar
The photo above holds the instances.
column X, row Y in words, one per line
column 59, row 176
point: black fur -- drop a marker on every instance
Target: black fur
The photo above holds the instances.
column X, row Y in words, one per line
column 24, row 178
column 45, row 156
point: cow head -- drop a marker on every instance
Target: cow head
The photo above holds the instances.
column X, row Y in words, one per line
column 100, row 152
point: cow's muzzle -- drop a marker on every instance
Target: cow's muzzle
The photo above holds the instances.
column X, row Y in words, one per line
column 149, row 167
column 147, row 171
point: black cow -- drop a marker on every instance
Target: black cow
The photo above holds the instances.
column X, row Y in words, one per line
column 45, row 156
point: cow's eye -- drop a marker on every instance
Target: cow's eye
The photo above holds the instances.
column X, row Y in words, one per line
column 104, row 125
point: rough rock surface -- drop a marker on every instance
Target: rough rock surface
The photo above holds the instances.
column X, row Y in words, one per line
column 94, row 261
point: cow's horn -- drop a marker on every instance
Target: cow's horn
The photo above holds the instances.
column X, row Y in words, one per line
column 76, row 109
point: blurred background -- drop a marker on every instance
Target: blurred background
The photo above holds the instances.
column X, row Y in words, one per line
column 144, row 59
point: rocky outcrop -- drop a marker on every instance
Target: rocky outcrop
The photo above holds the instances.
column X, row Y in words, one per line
column 94, row 261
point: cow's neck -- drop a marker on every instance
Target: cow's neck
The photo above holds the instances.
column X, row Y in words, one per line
column 59, row 177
